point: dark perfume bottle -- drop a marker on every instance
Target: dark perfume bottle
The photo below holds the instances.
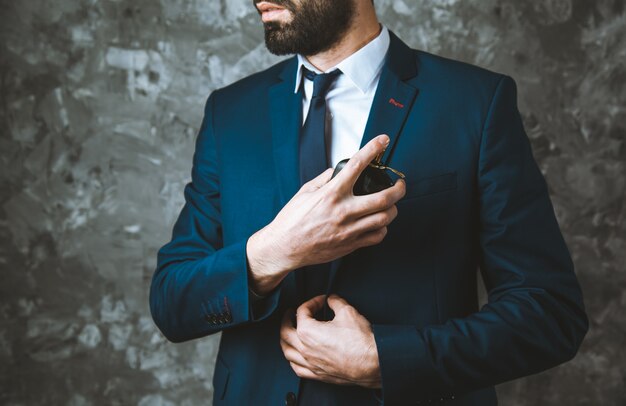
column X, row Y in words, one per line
column 374, row 177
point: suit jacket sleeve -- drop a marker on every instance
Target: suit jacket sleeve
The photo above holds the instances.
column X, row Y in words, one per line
column 534, row 318
column 200, row 286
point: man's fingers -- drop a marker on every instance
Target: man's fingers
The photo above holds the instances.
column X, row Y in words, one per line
column 375, row 221
column 288, row 333
column 350, row 173
column 375, row 202
column 303, row 372
column 310, row 307
column 293, row 355
column 306, row 373
column 318, row 181
column 371, row 238
column 337, row 303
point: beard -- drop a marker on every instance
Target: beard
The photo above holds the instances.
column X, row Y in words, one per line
column 316, row 26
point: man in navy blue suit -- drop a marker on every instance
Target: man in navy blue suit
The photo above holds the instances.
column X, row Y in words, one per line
column 324, row 297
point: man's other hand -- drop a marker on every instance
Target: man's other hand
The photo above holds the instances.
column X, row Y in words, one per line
column 341, row 351
column 323, row 221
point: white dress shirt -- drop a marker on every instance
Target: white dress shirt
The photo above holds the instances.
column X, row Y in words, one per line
column 349, row 98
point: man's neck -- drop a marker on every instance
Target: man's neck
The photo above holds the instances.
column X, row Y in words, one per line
column 360, row 34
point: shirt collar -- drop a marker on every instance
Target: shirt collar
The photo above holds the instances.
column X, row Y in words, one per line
column 361, row 68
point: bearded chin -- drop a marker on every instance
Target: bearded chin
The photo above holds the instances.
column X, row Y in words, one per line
column 277, row 39
column 312, row 29
column 286, row 39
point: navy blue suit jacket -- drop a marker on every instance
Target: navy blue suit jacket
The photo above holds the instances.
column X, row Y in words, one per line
column 475, row 200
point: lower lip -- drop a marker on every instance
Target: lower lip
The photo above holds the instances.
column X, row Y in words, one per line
column 274, row 15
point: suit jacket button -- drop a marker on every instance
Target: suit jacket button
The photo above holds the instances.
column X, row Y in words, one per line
column 290, row 399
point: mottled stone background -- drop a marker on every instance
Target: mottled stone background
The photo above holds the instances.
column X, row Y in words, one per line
column 100, row 104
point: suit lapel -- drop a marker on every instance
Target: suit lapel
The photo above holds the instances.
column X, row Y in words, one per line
column 286, row 120
column 394, row 96
column 392, row 102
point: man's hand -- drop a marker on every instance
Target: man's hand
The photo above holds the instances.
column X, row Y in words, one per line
column 323, row 221
column 341, row 351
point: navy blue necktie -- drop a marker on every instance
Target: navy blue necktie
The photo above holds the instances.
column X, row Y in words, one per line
column 313, row 160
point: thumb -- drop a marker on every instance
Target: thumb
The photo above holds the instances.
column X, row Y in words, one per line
column 337, row 304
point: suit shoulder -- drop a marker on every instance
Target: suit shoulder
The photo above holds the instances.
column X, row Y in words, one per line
column 457, row 81
column 438, row 69
column 252, row 84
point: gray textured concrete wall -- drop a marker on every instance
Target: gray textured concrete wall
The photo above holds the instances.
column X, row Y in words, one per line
column 100, row 103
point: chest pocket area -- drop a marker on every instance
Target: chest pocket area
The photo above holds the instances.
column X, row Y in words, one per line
column 430, row 185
